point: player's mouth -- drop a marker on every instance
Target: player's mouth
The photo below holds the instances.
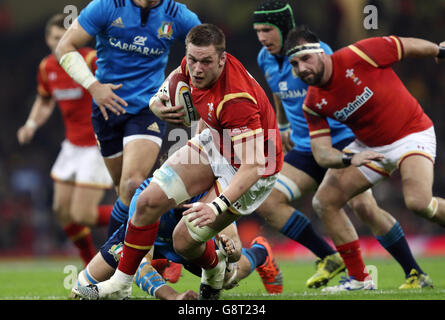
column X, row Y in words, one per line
column 198, row 79
column 269, row 47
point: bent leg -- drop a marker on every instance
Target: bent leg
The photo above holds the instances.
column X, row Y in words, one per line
column 79, row 234
column 417, row 182
column 387, row 230
column 279, row 214
column 337, row 188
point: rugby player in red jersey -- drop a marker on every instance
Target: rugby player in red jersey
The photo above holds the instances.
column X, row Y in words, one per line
column 239, row 148
column 79, row 173
column 358, row 87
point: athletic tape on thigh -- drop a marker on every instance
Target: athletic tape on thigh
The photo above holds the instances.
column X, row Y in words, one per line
column 287, row 187
column 171, row 183
column 199, row 234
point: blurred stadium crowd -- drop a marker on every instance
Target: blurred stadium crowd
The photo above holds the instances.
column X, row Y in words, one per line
column 27, row 226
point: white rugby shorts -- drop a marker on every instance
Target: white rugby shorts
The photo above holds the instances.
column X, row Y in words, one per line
column 224, row 173
column 420, row 143
column 82, row 166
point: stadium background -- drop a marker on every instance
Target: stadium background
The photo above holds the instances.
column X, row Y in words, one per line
column 27, row 225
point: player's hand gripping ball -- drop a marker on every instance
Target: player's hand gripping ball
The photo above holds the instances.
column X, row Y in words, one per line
column 179, row 93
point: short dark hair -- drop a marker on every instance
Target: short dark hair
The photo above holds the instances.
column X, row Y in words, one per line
column 56, row 20
column 207, row 34
column 299, row 35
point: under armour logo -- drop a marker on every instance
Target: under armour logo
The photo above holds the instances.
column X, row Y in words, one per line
column 322, row 103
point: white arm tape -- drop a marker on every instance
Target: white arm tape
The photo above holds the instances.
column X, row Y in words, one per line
column 30, row 123
column 74, row 64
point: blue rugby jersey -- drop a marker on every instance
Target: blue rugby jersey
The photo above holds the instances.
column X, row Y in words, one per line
column 283, row 82
column 133, row 44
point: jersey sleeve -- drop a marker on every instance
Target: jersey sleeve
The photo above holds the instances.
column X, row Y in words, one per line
column 94, row 17
column 186, row 20
column 380, row 52
column 317, row 124
column 242, row 117
column 42, row 80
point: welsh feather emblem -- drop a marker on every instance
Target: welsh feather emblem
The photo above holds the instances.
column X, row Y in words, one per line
column 166, row 30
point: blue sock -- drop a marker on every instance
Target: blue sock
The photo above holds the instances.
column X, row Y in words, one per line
column 118, row 216
column 299, row 228
column 395, row 243
column 256, row 255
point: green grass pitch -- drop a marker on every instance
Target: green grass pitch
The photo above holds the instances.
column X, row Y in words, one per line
column 46, row 279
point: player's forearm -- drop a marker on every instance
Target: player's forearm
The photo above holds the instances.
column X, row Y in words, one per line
column 40, row 111
column 279, row 110
column 71, row 60
column 326, row 155
column 419, row 48
column 166, row 293
column 246, row 176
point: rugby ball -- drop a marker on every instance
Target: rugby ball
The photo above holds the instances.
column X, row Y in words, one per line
column 178, row 91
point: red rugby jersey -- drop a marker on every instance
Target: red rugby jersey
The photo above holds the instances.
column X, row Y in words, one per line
column 236, row 109
column 73, row 100
column 365, row 94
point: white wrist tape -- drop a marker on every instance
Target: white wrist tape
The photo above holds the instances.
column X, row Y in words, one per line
column 219, row 204
column 31, row 124
column 74, row 64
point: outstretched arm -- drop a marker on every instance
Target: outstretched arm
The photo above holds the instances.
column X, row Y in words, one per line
column 419, row 48
column 41, row 110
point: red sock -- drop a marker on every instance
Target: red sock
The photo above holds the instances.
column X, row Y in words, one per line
column 159, row 265
column 352, row 257
column 104, row 213
column 138, row 241
column 81, row 237
column 209, row 258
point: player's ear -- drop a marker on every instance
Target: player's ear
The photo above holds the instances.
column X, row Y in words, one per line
column 222, row 59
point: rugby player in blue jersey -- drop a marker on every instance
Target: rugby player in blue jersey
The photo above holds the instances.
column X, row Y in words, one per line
column 301, row 174
column 242, row 261
column 133, row 39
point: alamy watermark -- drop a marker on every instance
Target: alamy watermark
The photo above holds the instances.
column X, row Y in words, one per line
column 70, row 280
column 371, row 21
column 72, row 13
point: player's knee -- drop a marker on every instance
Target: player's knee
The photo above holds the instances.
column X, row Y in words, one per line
column 322, row 204
column 147, row 205
column 128, row 187
column 421, row 205
column 318, row 205
column 180, row 243
column 364, row 207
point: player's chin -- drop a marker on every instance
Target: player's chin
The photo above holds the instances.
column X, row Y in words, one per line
column 309, row 80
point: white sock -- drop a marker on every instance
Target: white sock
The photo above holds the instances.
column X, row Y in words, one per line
column 123, row 277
